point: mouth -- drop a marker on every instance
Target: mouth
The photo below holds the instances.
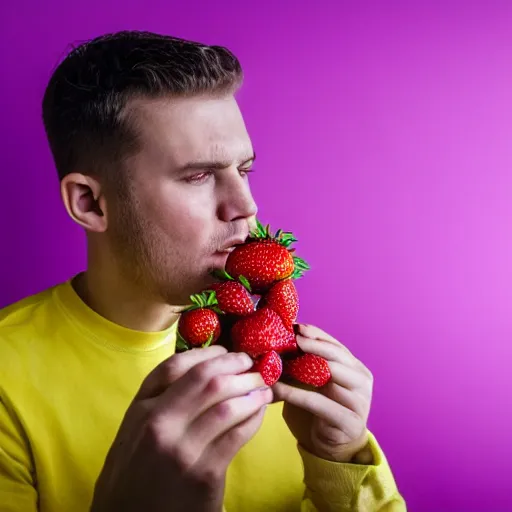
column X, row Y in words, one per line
column 227, row 250
column 231, row 245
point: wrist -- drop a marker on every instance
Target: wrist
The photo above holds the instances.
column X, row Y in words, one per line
column 357, row 451
column 364, row 456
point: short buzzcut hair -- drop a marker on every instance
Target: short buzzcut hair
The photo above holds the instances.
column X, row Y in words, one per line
column 84, row 105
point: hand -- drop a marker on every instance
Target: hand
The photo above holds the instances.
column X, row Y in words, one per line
column 190, row 417
column 330, row 422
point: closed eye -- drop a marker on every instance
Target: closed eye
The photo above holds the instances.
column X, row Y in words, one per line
column 202, row 177
column 199, row 178
column 246, row 171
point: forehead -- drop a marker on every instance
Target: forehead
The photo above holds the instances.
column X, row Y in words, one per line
column 196, row 128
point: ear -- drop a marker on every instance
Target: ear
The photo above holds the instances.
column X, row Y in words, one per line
column 85, row 202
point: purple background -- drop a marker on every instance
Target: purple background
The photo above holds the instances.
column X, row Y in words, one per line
column 383, row 136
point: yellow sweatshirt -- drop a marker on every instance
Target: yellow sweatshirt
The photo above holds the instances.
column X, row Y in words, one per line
column 67, row 376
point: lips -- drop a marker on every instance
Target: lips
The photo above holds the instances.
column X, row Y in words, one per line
column 227, row 250
column 230, row 245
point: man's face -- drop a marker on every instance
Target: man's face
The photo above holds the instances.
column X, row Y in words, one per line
column 188, row 197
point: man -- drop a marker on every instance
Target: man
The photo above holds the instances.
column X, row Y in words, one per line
column 96, row 413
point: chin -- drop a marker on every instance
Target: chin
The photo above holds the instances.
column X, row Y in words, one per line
column 219, row 259
column 209, row 279
column 193, row 287
column 191, row 284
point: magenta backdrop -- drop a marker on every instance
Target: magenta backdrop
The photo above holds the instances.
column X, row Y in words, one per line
column 384, row 141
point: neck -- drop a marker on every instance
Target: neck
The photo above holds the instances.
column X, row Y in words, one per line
column 105, row 291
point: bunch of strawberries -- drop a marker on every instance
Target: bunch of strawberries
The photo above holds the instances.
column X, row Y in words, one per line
column 253, row 309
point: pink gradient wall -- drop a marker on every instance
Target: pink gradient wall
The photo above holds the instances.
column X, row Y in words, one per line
column 384, row 141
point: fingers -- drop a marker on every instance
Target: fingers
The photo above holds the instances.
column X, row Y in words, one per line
column 353, row 400
column 226, row 387
column 173, row 368
column 328, row 351
column 208, row 383
column 343, row 370
column 225, row 447
column 350, row 378
column 315, row 333
column 224, row 416
column 320, row 406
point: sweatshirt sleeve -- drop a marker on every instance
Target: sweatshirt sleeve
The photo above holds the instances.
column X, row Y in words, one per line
column 17, row 489
column 336, row 487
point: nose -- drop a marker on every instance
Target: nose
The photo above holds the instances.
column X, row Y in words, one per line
column 235, row 201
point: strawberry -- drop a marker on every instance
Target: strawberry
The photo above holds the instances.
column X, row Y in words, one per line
column 262, row 332
column 233, row 297
column 199, row 324
column 265, row 258
column 308, row 369
column 270, row 366
column 284, row 300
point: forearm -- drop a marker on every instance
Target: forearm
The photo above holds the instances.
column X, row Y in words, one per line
column 365, row 483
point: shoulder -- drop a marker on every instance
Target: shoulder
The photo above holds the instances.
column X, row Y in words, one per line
column 19, row 316
column 24, row 326
column 19, row 310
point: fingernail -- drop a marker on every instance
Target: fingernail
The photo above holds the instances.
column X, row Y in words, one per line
column 258, row 390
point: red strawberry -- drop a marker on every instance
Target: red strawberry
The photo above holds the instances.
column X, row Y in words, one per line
column 199, row 325
column 284, row 300
column 262, row 332
column 233, row 297
column 308, row 369
column 270, row 366
column 265, row 259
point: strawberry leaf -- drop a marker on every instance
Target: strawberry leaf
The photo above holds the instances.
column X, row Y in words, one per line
column 300, row 266
column 212, row 299
column 259, row 232
column 181, row 344
column 196, row 300
column 208, row 343
column 245, row 282
column 287, row 239
column 222, row 275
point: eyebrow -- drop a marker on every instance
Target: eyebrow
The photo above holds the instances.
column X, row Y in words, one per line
column 213, row 164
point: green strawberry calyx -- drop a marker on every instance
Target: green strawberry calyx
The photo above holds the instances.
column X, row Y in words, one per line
column 245, row 282
column 182, row 345
column 204, row 300
column 286, row 239
column 208, row 343
column 300, row 266
column 224, row 276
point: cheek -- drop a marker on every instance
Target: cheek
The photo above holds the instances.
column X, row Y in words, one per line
column 185, row 217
